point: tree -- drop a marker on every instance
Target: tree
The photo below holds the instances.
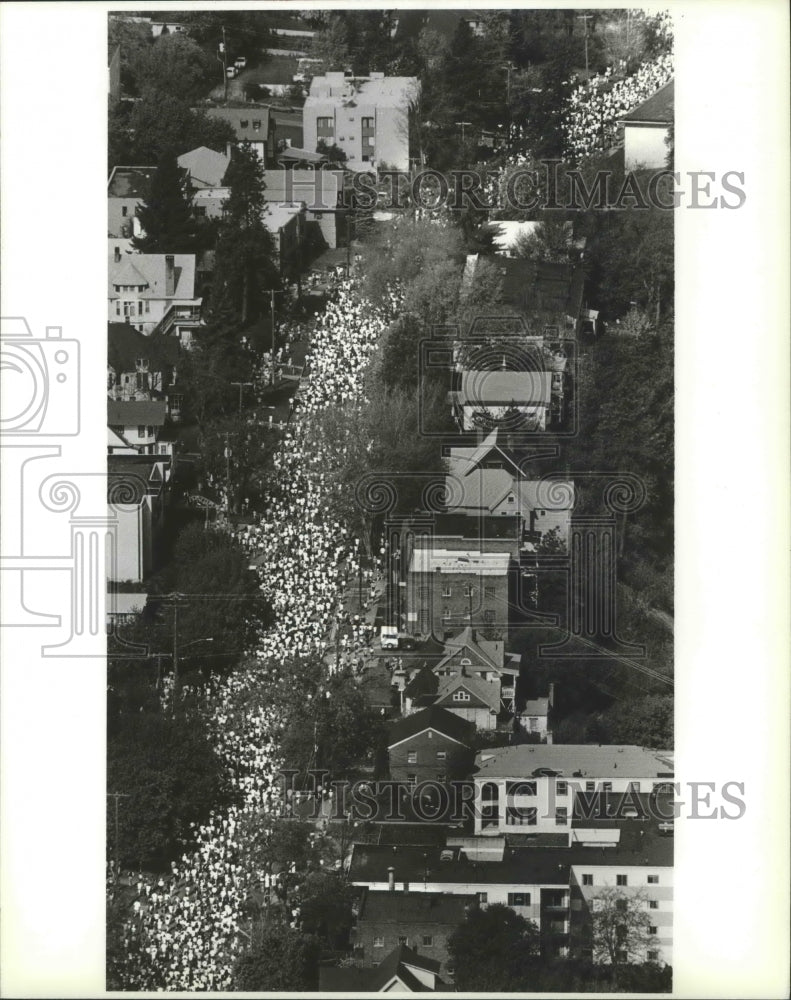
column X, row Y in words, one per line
column 163, row 122
column 245, row 269
column 166, row 766
column 494, row 951
column 135, row 39
column 325, row 903
column 174, row 65
column 333, row 152
column 166, row 213
column 282, row 959
column 619, row 927
column 551, row 240
column 330, row 46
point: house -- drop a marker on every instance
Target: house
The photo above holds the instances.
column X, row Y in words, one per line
column 470, row 654
column 127, row 189
column 153, row 292
column 534, row 787
column 252, row 123
column 470, row 698
column 140, row 367
column 420, row 746
column 646, row 130
column 535, row 715
column 547, row 294
column 136, row 497
column 512, row 400
column 287, row 223
column 137, row 423
column 205, row 167
column 448, row 589
column 366, row 117
column 421, row 921
column 321, row 191
column 402, row 971
column 486, row 480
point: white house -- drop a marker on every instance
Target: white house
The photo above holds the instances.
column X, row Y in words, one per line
column 646, row 129
column 144, row 288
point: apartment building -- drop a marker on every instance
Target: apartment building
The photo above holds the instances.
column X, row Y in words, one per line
column 365, row 117
column 536, row 788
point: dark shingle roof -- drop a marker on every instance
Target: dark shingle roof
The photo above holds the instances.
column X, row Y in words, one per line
column 657, row 109
column 424, row 682
column 334, row 980
column 434, row 718
column 125, row 345
column 128, row 413
column 385, row 907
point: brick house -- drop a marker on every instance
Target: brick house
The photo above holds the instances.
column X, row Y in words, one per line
column 423, row 921
column 448, row 589
column 420, row 746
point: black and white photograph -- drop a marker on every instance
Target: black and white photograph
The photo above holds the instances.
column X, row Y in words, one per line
column 382, row 542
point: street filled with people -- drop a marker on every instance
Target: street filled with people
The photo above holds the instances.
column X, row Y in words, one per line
column 186, row 930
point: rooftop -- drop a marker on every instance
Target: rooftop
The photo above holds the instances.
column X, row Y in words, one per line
column 317, row 188
column 130, row 182
column 386, row 907
column 206, row 166
column 126, row 345
column 460, row 561
column 378, row 89
column 250, row 122
column 150, row 270
column 505, row 388
column 130, row 413
column 430, row 718
column 397, row 965
column 574, row 760
column 656, row 110
column 483, row 691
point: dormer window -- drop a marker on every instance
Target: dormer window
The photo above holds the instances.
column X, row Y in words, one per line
column 461, row 695
column 244, row 123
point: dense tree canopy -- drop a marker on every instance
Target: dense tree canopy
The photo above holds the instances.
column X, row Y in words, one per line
column 282, row 959
column 494, row 951
column 174, row 65
column 165, row 215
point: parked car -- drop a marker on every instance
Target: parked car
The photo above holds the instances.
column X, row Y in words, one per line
column 240, row 62
column 231, row 72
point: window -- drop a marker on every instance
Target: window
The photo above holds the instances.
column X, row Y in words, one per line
column 461, row 696
column 447, row 590
column 141, row 430
column 365, row 158
column 653, row 904
column 441, row 755
column 511, row 498
column 468, row 590
column 147, row 306
column 379, row 942
column 488, row 592
column 200, row 211
column 620, row 905
column 606, row 786
column 520, row 788
column 590, row 786
column 653, row 956
column 519, row 899
column 653, row 880
column 561, row 816
column 139, row 308
column 244, row 123
column 446, row 614
column 402, row 940
column 653, row 930
column 412, row 779
column 621, row 880
column 124, row 211
column 587, row 879
column 483, row 897
column 163, row 449
column 367, row 122
column 562, row 788
column 521, row 816
column 634, row 787
column 257, row 124
column 117, row 308
column 411, row 758
column 533, row 722
column 325, row 127
column 427, row 941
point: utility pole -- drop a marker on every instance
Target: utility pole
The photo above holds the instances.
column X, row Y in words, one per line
column 117, row 796
column 241, row 386
column 585, row 18
column 227, row 471
column 462, row 124
column 223, row 49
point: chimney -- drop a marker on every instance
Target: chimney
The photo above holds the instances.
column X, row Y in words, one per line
column 117, row 255
column 406, row 886
column 391, row 878
column 549, row 737
column 170, row 275
column 551, row 698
